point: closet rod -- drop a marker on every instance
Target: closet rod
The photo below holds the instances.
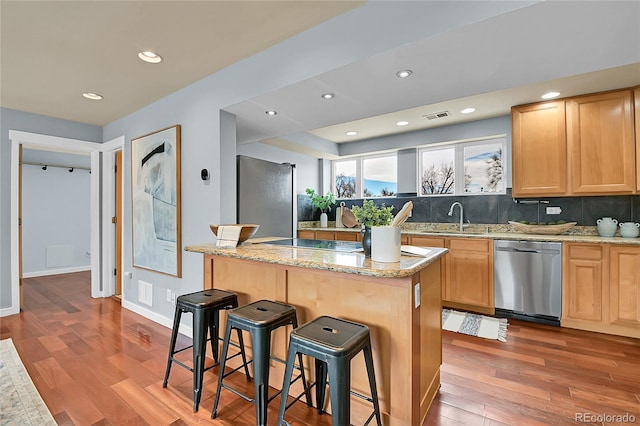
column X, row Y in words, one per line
column 56, row 165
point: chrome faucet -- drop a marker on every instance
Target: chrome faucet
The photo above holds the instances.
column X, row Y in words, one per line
column 462, row 224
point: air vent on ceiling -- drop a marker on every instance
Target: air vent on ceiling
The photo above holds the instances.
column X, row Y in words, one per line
column 436, row 115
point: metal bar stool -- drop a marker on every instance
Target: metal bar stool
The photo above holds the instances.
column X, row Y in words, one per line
column 333, row 343
column 205, row 307
column 260, row 319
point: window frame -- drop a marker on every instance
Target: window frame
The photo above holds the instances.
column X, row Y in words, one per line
column 360, row 173
column 459, row 147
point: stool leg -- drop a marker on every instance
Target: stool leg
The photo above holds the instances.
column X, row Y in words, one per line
column 214, row 325
column 321, row 384
column 200, row 323
column 261, row 351
column 223, row 361
column 368, row 358
column 340, row 378
column 286, row 382
column 172, row 345
column 305, row 385
column 243, row 354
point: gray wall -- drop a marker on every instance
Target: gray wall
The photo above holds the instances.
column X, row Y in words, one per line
column 55, row 212
column 18, row 120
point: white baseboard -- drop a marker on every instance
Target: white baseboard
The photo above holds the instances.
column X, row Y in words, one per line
column 5, row 312
column 157, row 318
column 58, row 271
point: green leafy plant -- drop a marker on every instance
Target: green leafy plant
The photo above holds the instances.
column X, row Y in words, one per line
column 371, row 215
column 323, row 202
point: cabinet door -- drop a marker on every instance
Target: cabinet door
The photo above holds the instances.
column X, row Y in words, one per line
column 539, row 149
column 434, row 242
column 470, row 272
column 600, row 137
column 624, row 286
column 310, row 235
column 582, row 282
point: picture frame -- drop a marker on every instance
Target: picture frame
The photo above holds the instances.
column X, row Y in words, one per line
column 155, row 201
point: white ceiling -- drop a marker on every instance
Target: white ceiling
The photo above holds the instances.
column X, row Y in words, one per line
column 54, row 51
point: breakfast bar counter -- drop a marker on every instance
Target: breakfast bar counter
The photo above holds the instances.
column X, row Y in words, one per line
column 400, row 302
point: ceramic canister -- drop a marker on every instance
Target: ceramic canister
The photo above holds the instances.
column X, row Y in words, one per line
column 607, row 226
column 629, row 229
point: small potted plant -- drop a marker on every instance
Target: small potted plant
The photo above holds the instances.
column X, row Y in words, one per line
column 322, row 202
column 370, row 215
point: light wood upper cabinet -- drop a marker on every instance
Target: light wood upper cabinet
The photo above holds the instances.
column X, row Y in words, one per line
column 624, row 287
column 539, row 149
column 601, row 142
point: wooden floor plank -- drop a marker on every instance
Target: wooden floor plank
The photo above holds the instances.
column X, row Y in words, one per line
column 97, row 363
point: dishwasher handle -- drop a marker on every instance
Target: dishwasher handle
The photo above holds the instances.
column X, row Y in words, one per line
column 517, row 250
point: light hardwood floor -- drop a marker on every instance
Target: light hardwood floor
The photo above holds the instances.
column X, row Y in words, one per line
column 95, row 363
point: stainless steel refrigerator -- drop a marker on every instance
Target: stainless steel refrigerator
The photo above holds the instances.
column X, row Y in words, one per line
column 266, row 196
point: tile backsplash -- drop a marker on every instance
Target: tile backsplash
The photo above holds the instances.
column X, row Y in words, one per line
column 499, row 208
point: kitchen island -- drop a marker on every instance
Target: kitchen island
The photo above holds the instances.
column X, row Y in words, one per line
column 400, row 302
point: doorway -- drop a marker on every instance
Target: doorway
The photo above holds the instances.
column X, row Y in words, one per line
column 21, row 139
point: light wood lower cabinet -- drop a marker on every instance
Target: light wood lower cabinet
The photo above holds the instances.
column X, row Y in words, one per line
column 467, row 273
column 601, row 288
column 624, row 287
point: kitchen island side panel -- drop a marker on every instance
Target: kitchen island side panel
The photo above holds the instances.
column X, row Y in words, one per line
column 406, row 341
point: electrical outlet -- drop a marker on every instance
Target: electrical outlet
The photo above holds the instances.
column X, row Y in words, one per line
column 554, row 210
column 416, row 295
column 173, row 298
column 168, row 295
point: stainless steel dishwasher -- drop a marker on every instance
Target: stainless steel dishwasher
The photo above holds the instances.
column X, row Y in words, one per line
column 528, row 280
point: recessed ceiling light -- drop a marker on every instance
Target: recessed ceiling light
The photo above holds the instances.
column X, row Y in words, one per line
column 92, row 96
column 149, row 56
column 402, row 123
column 351, row 133
column 328, row 95
column 467, row 110
column 271, row 112
column 404, row 73
column 550, row 95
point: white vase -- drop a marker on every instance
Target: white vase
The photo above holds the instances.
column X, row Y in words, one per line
column 385, row 243
column 324, row 219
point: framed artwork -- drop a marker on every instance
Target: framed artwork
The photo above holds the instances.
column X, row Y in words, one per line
column 155, row 193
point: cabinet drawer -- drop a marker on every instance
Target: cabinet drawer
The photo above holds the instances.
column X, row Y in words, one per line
column 426, row 241
column 470, row 244
column 347, row 236
column 325, row 235
column 584, row 251
column 309, row 235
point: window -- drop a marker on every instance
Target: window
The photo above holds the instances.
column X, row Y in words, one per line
column 463, row 168
column 364, row 177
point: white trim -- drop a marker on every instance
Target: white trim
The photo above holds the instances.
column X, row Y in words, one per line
column 109, row 210
column 52, row 143
column 58, row 271
column 97, row 287
column 15, row 259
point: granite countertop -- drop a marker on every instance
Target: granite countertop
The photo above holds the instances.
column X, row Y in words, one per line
column 351, row 263
column 577, row 234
